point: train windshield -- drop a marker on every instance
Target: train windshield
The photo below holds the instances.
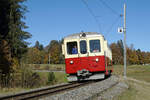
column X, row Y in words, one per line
column 83, row 48
column 95, row 46
column 72, row 48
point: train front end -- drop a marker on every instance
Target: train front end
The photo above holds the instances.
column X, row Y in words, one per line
column 87, row 56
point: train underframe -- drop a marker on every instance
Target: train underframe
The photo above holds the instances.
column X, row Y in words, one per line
column 86, row 75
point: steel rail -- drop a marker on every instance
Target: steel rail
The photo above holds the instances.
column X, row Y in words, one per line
column 42, row 92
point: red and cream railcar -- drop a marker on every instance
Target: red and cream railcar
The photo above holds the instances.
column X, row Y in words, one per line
column 87, row 56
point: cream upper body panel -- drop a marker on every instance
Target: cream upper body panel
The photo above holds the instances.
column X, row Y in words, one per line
column 77, row 38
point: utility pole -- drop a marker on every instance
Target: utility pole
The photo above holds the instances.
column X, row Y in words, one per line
column 125, row 63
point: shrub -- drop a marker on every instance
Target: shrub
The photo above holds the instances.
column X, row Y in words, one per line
column 30, row 79
column 51, row 78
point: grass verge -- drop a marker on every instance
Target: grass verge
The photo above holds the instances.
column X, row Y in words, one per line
column 60, row 77
column 138, row 90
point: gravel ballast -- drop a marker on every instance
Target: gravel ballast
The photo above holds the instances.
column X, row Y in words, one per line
column 90, row 91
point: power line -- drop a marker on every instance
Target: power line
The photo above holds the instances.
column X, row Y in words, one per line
column 114, row 12
column 105, row 4
column 92, row 13
column 95, row 17
column 115, row 22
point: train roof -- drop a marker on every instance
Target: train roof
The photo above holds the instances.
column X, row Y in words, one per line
column 78, row 35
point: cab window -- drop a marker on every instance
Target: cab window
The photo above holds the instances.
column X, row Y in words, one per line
column 72, row 48
column 95, row 46
column 83, row 47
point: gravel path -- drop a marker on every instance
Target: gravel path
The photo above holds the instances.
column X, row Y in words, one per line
column 89, row 92
column 113, row 92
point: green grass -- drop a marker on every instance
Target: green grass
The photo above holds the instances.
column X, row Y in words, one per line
column 43, row 76
column 61, row 77
column 128, row 95
column 138, row 72
column 56, row 67
column 136, row 91
column 11, row 90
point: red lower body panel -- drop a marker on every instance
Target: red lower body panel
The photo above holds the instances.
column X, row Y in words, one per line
column 92, row 64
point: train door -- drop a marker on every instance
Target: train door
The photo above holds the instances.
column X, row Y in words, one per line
column 96, row 58
column 83, row 54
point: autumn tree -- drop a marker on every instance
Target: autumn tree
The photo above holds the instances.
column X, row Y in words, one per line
column 54, row 51
column 145, row 58
column 120, row 50
column 34, row 56
column 117, row 52
column 132, row 57
column 115, row 57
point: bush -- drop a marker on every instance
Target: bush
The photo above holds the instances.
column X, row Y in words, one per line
column 51, row 78
column 30, row 79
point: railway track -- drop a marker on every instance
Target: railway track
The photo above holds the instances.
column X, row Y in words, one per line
column 35, row 94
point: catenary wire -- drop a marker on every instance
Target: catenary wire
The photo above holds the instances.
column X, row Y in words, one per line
column 113, row 24
column 106, row 5
column 113, row 11
column 92, row 13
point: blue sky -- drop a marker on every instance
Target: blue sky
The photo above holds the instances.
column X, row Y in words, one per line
column 54, row 19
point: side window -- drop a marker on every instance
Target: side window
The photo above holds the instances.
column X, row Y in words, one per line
column 95, row 46
column 72, row 48
column 83, row 48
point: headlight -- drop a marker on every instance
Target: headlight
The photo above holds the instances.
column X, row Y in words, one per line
column 71, row 62
column 97, row 59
